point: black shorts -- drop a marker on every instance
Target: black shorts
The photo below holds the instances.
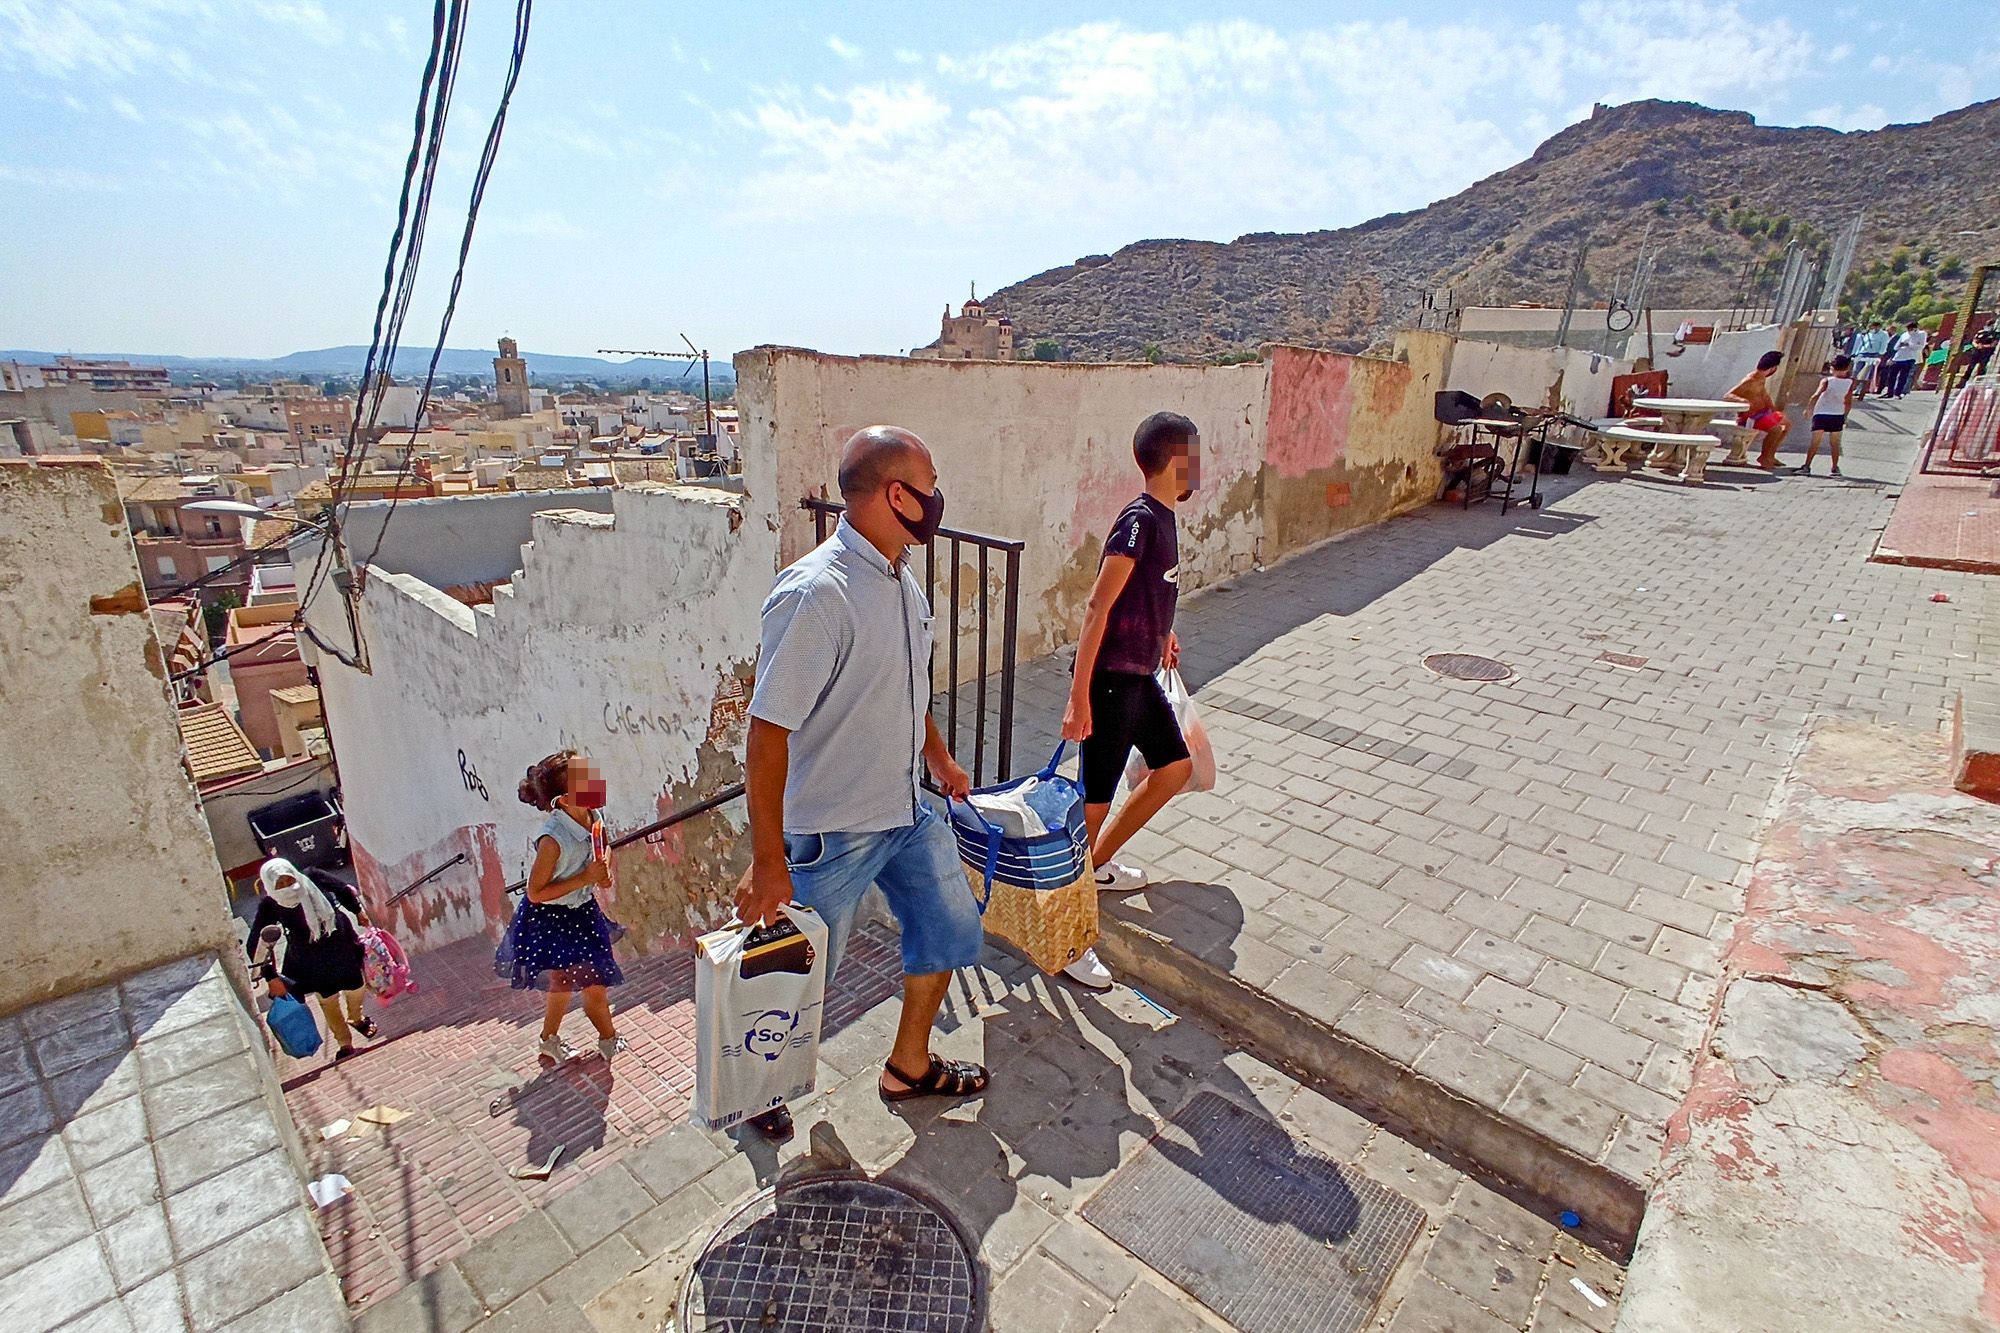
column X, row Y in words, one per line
column 1831, row 422
column 1127, row 710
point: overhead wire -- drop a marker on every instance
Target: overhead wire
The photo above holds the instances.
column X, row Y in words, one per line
column 523, row 16
column 398, row 274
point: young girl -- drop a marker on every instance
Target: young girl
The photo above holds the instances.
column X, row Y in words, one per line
column 1831, row 403
column 560, row 940
column 316, row 949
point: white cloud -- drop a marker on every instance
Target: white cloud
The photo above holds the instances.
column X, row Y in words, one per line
column 845, row 50
column 1866, row 116
column 1107, row 129
column 60, row 178
column 908, row 57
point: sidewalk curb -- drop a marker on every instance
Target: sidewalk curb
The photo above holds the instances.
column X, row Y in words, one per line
column 1538, row 1171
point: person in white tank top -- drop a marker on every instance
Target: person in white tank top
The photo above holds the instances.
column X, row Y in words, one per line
column 1831, row 402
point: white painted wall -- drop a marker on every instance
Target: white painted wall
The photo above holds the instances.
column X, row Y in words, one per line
column 616, row 638
column 105, row 861
column 1579, row 381
column 1709, row 370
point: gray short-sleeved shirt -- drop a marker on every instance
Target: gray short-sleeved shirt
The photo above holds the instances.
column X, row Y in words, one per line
column 845, row 667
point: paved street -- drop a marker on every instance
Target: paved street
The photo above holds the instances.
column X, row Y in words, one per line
column 1519, row 889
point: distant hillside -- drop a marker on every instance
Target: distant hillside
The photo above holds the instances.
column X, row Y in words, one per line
column 411, row 363
column 1719, row 190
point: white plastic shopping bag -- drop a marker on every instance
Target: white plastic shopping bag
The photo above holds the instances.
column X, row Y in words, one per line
column 1195, row 734
column 758, row 993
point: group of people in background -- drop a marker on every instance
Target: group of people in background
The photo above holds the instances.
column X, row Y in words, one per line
column 1885, row 360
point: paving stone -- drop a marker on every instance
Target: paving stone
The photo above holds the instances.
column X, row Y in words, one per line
column 55, row 1287
column 1409, row 1170
column 214, row 1145
column 315, row 1307
column 195, row 1096
column 24, row 1114
column 502, row 1267
column 1087, row 1254
column 1577, row 989
column 83, row 1009
column 93, row 1086
column 67, row 1047
column 139, row 1246
column 210, row 1212
column 1486, row 1271
column 1333, row 1128
column 1431, row 1308
column 41, row 1223
column 1501, row 958
column 594, row 1272
column 30, row 1166
column 1382, row 1026
column 438, row 1302
column 1655, row 976
column 191, row 1048
column 1313, row 989
column 1556, row 940
column 116, row 1187
column 156, row 1304
column 110, row 1317
column 1429, row 968
column 1145, row 1308
column 233, row 1279
column 1534, row 1053
column 1569, row 1117
column 1499, row 1216
column 1038, row 1294
column 599, row 1206
column 1470, row 1069
column 1512, row 1005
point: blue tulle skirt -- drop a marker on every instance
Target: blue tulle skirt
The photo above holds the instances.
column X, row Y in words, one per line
column 567, row 947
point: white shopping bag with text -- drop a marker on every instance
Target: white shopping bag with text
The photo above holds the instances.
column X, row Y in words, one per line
column 1200, row 750
column 758, row 994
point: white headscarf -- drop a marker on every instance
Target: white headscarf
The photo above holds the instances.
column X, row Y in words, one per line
column 301, row 893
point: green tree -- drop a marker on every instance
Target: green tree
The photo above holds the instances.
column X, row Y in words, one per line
column 215, row 616
column 1151, row 353
column 1046, row 349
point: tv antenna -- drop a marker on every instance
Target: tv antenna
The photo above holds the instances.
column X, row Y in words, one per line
column 691, row 355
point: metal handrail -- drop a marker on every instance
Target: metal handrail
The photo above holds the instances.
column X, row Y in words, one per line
column 658, row 826
column 1010, row 609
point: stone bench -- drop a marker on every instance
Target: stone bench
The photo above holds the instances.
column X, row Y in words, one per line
column 1686, row 455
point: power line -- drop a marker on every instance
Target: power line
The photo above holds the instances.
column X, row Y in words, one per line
column 523, row 15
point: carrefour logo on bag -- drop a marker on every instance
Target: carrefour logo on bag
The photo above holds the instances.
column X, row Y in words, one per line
column 768, row 1033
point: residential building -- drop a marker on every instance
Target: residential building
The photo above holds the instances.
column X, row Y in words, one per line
column 971, row 335
column 510, row 380
column 106, row 376
column 263, row 653
column 318, row 420
column 16, row 376
column 301, row 720
column 214, row 747
column 176, row 545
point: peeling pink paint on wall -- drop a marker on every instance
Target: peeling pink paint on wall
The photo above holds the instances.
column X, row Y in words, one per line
column 1312, row 402
column 465, row 900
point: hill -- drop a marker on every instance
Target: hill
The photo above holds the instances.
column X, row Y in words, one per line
column 411, row 363
column 1720, row 191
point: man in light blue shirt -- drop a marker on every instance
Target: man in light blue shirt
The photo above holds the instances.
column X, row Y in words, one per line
column 839, row 723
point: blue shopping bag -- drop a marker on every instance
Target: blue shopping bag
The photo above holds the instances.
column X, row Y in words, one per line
column 1048, row 846
column 292, row 1024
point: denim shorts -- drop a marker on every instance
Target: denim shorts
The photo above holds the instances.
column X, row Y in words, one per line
column 920, row 874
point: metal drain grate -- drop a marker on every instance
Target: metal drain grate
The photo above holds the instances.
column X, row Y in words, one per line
column 1468, row 666
column 1272, row 1236
column 833, row 1254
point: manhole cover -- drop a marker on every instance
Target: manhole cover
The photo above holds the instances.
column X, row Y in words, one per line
column 1628, row 661
column 1468, row 666
column 1272, row 1236
column 832, row 1253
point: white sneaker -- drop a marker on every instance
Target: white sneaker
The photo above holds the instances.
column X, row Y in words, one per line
column 1117, row 877
column 555, row 1048
column 1090, row 971
column 610, row 1046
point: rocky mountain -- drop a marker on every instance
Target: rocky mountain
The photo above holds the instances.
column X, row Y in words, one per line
column 1724, row 196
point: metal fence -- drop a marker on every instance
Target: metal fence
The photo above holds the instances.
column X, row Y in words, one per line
column 963, row 551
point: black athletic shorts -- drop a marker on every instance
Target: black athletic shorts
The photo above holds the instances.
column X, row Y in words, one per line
column 1126, row 711
column 1832, row 422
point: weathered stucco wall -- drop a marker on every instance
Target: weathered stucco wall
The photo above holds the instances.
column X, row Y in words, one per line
column 1026, row 450
column 1578, row 382
column 1351, row 440
column 630, row 635
column 1709, row 370
column 105, row 861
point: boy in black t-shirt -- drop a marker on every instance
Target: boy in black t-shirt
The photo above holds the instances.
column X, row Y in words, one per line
column 1115, row 701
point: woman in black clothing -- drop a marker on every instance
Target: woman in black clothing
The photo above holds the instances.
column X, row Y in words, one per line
column 307, row 935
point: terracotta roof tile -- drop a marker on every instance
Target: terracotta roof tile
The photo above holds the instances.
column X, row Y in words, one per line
column 297, row 694
column 216, row 746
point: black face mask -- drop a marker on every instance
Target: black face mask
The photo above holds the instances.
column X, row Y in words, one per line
column 925, row 528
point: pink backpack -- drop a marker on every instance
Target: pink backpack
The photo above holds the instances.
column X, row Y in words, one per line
column 386, row 969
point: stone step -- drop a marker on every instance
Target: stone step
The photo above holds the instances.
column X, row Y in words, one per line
column 1528, row 1164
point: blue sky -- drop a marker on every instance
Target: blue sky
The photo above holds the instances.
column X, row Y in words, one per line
column 218, row 176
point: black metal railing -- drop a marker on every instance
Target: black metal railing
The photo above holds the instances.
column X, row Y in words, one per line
column 826, row 512
column 641, row 834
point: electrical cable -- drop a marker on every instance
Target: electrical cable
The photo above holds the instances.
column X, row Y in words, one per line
column 447, row 29
column 523, row 16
